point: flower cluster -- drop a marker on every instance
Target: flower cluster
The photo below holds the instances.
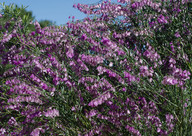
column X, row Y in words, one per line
column 101, row 99
column 152, row 56
column 51, row 113
column 177, row 75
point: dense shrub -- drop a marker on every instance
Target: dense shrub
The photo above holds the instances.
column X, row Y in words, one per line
column 125, row 71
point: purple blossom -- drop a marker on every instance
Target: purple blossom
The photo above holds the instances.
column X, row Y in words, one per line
column 134, row 5
column 33, row 33
column 105, row 40
column 2, row 131
column 70, row 52
column 99, row 100
column 169, row 121
column 84, row 37
column 111, row 74
column 51, row 113
column 6, row 38
column 12, row 122
column 162, row 20
column 151, row 54
column 177, row 34
column 100, row 69
column 133, row 130
column 172, row 61
column 129, row 77
column 36, row 132
column 44, row 86
column 37, row 25
column 38, row 30
column 92, row 113
column 144, row 71
column 169, row 81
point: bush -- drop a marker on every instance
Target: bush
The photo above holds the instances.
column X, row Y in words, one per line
column 125, row 71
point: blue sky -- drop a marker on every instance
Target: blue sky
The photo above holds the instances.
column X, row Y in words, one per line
column 54, row 10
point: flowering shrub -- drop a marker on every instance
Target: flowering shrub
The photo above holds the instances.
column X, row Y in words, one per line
column 126, row 71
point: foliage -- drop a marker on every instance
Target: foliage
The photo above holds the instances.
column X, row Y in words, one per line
column 125, row 71
column 46, row 23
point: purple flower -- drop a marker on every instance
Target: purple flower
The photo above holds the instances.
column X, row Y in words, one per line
column 99, row 100
column 177, row 34
column 6, row 38
column 162, row 20
column 12, row 121
column 185, row 105
column 84, row 37
column 70, row 53
column 169, row 121
column 124, row 89
column 105, row 40
column 133, row 130
column 129, row 76
column 134, row 5
column 33, row 33
column 178, row 10
column 158, row 130
column 111, row 74
column 169, row 81
column 44, row 86
column 38, row 30
column 172, row 61
column 37, row 25
column 75, row 6
column 169, row 118
column 36, row 132
column 92, row 113
column 2, row 131
column 100, row 69
column 51, row 113
column 144, row 71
